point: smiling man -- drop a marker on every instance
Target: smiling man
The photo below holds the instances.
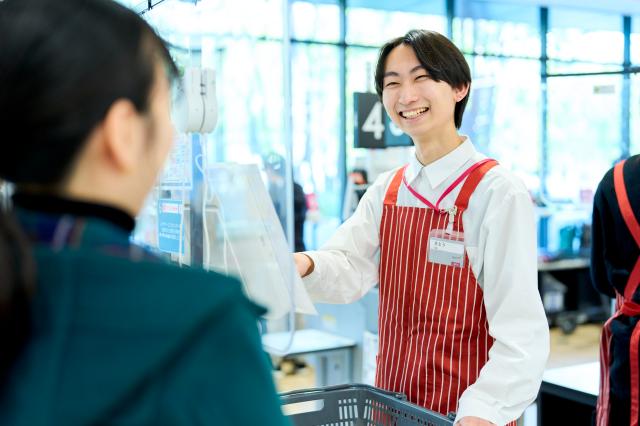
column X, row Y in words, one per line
column 450, row 238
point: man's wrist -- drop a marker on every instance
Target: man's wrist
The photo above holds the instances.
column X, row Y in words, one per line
column 311, row 267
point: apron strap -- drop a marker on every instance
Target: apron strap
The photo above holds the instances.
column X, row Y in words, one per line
column 629, row 307
column 631, row 222
column 623, row 202
column 476, row 174
column 635, row 376
column 391, row 196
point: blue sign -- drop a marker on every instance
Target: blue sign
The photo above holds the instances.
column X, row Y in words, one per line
column 169, row 224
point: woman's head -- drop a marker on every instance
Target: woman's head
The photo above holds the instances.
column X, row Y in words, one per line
column 71, row 70
column 84, row 93
column 423, row 81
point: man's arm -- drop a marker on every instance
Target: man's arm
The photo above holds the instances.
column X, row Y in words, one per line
column 510, row 380
column 345, row 268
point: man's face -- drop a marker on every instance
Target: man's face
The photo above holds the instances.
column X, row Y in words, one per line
column 415, row 102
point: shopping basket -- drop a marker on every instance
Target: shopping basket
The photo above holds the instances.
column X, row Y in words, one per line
column 356, row 405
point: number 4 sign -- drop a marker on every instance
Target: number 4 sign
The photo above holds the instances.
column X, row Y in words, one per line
column 373, row 127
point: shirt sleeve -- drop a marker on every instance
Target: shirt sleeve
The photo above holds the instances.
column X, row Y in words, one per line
column 601, row 217
column 511, row 378
column 346, row 268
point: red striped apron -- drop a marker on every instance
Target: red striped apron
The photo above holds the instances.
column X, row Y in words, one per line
column 433, row 332
column 625, row 306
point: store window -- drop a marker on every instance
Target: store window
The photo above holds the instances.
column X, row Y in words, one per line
column 502, row 117
column 316, row 134
column 497, row 28
column 584, row 131
column 219, row 17
column 635, row 40
column 361, row 67
column 634, row 114
column 249, row 89
column 315, row 21
column 373, row 23
column 582, row 36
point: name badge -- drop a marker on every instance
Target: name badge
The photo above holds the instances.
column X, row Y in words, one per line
column 446, row 248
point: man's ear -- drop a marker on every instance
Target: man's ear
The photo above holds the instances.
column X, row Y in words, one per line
column 123, row 132
column 460, row 92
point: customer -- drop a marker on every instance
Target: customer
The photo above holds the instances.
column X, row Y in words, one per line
column 94, row 329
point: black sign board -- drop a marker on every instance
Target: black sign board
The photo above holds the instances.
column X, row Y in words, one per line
column 373, row 127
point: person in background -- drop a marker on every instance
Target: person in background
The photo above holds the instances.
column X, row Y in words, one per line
column 274, row 166
column 450, row 238
column 94, row 330
column 615, row 271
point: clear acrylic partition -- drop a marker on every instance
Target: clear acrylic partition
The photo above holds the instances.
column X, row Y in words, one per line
column 225, row 199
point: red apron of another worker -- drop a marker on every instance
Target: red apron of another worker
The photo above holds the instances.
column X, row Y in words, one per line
column 626, row 317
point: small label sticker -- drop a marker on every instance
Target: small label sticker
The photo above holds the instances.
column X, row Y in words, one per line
column 446, row 250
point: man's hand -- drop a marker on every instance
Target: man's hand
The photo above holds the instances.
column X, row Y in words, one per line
column 474, row 421
column 304, row 264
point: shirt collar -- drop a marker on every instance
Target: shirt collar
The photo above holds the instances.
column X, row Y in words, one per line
column 438, row 171
column 57, row 205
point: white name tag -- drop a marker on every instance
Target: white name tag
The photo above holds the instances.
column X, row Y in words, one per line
column 446, row 249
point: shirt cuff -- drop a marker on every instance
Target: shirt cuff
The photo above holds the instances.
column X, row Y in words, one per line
column 313, row 280
column 476, row 408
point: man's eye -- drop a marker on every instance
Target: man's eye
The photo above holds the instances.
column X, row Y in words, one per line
column 391, row 83
column 422, row 77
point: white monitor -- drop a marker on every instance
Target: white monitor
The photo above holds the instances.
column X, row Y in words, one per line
column 243, row 237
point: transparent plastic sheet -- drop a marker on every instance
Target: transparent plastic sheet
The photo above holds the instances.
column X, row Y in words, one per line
column 243, row 237
column 248, row 241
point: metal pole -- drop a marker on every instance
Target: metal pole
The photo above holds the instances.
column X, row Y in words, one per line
column 625, row 140
column 450, row 8
column 342, row 66
column 287, row 121
column 544, row 101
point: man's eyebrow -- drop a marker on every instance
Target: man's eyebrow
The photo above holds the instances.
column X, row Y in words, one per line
column 395, row 74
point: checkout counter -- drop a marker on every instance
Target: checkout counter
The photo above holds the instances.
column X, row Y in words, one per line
column 568, row 395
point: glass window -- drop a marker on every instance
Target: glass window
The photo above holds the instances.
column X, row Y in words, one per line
column 635, row 40
column 634, row 115
column 316, row 126
column 249, row 92
column 315, row 21
column 218, row 17
column 361, row 68
column 137, row 6
column 570, row 67
column 496, row 28
column 373, row 26
column 585, row 36
column 502, row 117
column 584, row 134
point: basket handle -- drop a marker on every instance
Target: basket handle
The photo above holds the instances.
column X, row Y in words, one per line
column 325, row 389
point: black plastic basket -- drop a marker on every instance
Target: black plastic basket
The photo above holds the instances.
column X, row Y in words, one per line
column 355, row 405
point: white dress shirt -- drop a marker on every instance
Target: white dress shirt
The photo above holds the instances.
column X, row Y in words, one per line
column 500, row 239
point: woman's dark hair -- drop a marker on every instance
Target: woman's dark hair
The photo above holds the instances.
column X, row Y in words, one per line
column 63, row 63
column 438, row 55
